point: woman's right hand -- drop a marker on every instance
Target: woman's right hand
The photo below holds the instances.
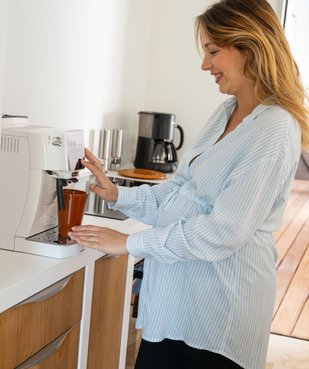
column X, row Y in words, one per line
column 104, row 187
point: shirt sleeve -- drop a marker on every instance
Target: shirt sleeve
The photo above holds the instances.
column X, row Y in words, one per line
column 142, row 202
column 245, row 202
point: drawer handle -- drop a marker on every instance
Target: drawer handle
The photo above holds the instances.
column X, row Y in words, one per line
column 44, row 353
column 47, row 292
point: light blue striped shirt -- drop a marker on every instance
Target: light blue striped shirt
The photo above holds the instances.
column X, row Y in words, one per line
column 209, row 273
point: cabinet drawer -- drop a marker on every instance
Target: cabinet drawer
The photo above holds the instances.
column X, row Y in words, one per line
column 35, row 322
column 59, row 354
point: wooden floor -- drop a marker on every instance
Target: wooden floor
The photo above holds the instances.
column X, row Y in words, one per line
column 291, row 314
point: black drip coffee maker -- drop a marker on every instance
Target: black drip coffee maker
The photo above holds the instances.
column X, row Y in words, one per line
column 155, row 149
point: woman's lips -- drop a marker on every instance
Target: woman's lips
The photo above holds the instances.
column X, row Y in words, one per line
column 218, row 77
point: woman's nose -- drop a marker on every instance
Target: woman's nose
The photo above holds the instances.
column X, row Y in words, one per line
column 205, row 63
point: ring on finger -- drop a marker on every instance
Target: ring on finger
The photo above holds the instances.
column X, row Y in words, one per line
column 91, row 239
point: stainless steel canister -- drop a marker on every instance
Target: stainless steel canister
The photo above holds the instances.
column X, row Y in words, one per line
column 116, row 149
column 104, row 148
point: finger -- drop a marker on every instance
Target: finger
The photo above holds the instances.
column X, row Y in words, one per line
column 88, row 242
column 98, row 190
column 101, row 178
column 99, row 174
column 92, row 158
column 95, row 168
column 83, row 238
column 90, row 155
column 86, row 229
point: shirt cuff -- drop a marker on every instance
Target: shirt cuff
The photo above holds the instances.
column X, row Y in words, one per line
column 135, row 245
column 126, row 199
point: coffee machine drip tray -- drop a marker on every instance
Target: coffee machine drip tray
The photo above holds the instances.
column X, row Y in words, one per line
column 48, row 243
column 52, row 237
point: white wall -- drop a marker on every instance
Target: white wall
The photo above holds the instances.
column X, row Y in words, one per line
column 277, row 6
column 77, row 63
column 96, row 63
column 3, row 27
column 297, row 30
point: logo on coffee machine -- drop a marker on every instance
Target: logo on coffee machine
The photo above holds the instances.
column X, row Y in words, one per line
column 55, row 141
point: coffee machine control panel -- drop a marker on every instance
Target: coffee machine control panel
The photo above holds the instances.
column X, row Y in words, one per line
column 56, row 150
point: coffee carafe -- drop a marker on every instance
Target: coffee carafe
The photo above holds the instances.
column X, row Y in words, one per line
column 155, row 148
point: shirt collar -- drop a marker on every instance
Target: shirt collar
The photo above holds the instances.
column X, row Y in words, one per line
column 229, row 106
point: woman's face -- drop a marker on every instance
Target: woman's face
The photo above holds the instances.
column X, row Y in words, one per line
column 226, row 64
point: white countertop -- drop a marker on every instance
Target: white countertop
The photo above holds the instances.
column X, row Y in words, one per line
column 22, row 275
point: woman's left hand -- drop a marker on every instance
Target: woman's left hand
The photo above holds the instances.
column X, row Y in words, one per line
column 103, row 239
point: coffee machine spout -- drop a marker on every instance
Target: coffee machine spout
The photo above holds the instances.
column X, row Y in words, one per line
column 60, row 183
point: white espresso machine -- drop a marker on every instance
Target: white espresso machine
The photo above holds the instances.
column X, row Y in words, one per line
column 36, row 162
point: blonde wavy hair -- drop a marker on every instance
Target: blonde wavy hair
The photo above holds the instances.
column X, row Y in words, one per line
column 253, row 26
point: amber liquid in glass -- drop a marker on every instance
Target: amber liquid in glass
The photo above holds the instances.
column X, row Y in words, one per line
column 73, row 212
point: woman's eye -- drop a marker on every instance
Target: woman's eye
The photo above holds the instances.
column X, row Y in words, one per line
column 213, row 52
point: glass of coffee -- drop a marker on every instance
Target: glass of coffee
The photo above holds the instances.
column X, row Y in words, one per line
column 72, row 214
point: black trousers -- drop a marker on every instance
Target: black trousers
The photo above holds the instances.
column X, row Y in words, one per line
column 170, row 354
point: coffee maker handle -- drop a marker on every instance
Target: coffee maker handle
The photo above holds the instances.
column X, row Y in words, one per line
column 181, row 136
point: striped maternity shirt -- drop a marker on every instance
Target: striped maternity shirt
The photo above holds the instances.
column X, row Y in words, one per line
column 209, row 273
